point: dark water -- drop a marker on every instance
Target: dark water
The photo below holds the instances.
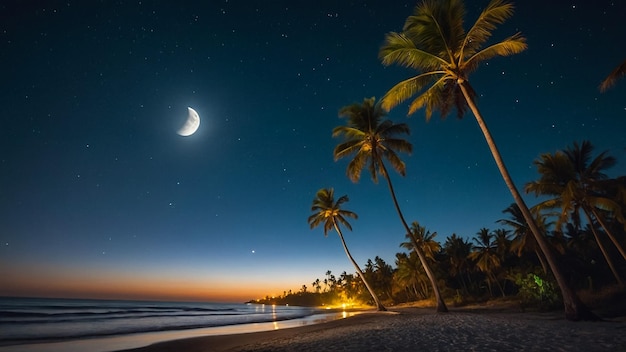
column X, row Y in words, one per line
column 37, row 319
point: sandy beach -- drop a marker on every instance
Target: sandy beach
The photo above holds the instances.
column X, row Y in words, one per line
column 421, row 329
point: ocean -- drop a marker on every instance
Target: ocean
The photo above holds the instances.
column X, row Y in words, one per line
column 45, row 324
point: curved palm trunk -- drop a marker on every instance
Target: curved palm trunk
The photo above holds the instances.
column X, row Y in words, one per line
column 602, row 248
column 574, row 307
column 379, row 306
column 441, row 305
column 608, row 233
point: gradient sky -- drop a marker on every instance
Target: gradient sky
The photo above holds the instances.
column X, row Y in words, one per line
column 99, row 197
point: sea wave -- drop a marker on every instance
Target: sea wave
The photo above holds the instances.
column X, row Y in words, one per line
column 54, row 319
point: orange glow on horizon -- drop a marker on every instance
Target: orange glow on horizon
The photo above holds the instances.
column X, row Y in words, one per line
column 75, row 283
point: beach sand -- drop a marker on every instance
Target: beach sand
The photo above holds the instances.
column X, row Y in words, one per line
column 422, row 329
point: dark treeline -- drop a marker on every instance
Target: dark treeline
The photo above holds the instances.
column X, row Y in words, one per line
column 581, row 214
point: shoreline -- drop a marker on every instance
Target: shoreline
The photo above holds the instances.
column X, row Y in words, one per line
column 143, row 339
column 412, row 329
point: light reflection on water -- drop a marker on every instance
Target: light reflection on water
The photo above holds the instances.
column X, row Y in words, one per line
column 115, row 343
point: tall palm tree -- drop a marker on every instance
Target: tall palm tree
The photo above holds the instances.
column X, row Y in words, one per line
column 373, row 141
column 316, row 285
column 457, row 249
column 328, row 212
column 576, row 184
column 616, row 74
column 435, row 43
column 485, row 253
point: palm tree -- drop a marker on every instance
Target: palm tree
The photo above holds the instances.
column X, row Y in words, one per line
column 372, row 141
column 617, row 73
column 596, row 185
column 523, row 240
column 485, row 253
column 457, row 249
column 577, row 185
column 503, row 242
column 316, row 285
column 425, row 239
column 411, row 276
column 383, row 274
column 434, row 43
column 327, row 211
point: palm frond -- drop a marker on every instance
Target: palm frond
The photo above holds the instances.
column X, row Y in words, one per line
column 443, row 96
column 314, row 220
column 396, row 162
column 392, row 129
column 616, row 74
column 600, row 163
column 341, row 220
column 424, row 99
column 347, row 148
column 604, row 203
column 400, row 50
column 398, row 144
column 437, row 27
column 348, row 132
column 340, row 201
column 514, row 44
column 497, row 12
column 430, row 98
column 356, row 166
column 407, row 88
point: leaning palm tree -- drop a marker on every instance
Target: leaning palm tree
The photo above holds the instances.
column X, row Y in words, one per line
column 434, row 42
column 328, row 212
column 373, row 141
column 617, row 73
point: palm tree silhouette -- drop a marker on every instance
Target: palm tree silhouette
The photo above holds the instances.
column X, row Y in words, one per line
column 328, row 212
column 485, row 253
column 425, row 239
column 458, row 250
column 523, row 240
column 577, row 185
column 435, row 43
column 373, row 141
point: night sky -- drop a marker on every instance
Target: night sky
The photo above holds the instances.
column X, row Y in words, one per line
column 99, row 197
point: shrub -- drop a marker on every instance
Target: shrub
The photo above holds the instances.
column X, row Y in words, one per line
column 537, row 292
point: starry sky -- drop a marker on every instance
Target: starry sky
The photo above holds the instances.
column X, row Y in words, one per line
column 99, row 197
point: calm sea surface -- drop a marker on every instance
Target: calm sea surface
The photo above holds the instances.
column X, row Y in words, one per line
column 33, row 320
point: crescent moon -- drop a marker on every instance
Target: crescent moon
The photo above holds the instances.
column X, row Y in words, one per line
column 191, row 125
